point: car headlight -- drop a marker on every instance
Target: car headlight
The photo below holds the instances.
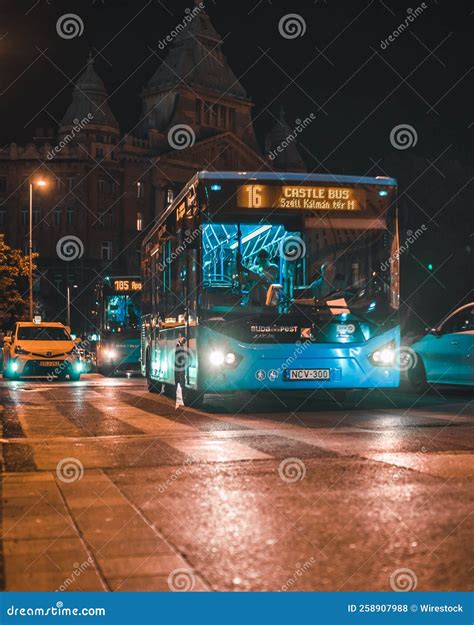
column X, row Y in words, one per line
column 20, row 350
column 384, row 356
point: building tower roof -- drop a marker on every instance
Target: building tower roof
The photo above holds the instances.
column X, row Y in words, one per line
column 89, row 98
column 195, row 58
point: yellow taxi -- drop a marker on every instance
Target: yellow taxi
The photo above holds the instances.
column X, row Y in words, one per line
column 43, row 349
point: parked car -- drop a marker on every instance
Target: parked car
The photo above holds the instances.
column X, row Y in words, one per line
column 445, row 355
column 40, row 350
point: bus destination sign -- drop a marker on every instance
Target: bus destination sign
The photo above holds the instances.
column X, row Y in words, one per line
column 122, row 285
column 309, row 198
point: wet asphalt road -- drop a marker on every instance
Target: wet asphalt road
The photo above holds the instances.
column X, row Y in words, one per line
column 108, row 487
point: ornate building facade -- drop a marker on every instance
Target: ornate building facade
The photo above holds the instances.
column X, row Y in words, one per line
column 105, row 187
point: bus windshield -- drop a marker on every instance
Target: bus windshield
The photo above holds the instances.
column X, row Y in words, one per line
column 253, row 267
column 122, row 313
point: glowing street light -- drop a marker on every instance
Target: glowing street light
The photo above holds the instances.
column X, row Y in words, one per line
column 39, row 182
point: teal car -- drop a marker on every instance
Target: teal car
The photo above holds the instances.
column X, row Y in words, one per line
column 445, row 355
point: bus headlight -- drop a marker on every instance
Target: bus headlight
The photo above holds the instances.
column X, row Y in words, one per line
column 384, row 356
column 216, row 358
column 229, row 358
column 14, row 366
column 111, row 354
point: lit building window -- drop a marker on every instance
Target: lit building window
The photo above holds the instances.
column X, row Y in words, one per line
column 106, row 250
column 140, row 189
column 139, row 222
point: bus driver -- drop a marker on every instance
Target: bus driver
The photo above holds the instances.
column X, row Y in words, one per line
column 259, row 277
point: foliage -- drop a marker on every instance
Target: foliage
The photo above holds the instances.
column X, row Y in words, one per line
column 14, row 266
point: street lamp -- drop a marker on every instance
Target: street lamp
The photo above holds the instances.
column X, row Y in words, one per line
column 39, row 183
column 74, row 286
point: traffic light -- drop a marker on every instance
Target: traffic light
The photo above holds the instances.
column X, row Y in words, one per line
column 429, row 266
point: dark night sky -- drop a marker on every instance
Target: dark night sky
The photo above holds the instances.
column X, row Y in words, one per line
column 349, row 33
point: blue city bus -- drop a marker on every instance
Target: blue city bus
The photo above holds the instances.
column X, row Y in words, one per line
column 281, row 281
column 118, row 301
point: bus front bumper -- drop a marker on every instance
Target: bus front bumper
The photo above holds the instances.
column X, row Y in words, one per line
column 298, row 366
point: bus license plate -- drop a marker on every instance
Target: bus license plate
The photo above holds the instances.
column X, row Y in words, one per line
column 49, row 363
column 308, row 374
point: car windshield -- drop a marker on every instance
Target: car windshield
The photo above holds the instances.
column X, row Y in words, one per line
column 31, row 333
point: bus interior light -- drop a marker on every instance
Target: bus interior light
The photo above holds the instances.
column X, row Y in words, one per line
column 383, row 193
column 216, row 187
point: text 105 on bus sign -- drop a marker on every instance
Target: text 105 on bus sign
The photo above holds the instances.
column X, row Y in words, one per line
column 310, row 198
column 127, row 285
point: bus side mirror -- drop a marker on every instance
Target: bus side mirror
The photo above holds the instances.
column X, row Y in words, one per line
column 78, row 341
column 7, row 340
